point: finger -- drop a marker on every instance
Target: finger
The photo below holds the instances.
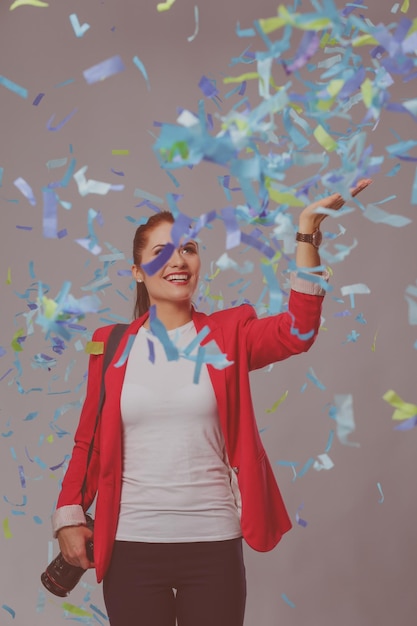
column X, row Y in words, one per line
column 362, row 184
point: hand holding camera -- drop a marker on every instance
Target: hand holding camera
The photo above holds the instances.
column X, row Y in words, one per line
column 73, row 542
column 63, row 573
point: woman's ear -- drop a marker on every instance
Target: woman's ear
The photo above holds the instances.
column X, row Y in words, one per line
column 137, row 274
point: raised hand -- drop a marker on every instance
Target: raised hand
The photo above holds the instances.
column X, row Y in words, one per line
column 309, row 220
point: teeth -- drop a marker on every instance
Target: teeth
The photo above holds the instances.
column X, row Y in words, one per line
column 179, row 277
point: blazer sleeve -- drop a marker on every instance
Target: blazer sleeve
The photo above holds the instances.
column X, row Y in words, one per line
column 70, row 493
column 277, row 337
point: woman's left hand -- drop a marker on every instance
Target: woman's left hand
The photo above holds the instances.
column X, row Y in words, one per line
column 309, row 220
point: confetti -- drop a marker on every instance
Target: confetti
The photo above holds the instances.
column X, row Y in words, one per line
column 139, row 64
column 79, row 29
column 105, row 69
column 33, row 3
column 196, row 18
column 9, row 610
column 288, row 601
column 26, row 190
column 342, row 413
column 382, row 498
column 164, row 6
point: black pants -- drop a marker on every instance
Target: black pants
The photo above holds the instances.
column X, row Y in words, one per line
column 208, row 578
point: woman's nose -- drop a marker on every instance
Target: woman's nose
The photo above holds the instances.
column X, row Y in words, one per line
column 177, row 258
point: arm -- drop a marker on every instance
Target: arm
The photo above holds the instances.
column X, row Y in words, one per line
column 278, row 337
column 68, row 521
column 308, row 255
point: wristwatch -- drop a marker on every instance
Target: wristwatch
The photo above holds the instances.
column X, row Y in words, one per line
column 313, row 238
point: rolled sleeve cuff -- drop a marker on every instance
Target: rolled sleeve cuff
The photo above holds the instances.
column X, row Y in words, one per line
column 68, row 515
column 304, row 285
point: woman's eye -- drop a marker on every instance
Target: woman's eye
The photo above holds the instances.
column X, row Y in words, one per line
column 188, row 249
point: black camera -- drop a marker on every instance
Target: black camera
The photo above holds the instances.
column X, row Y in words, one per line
column 60, row 577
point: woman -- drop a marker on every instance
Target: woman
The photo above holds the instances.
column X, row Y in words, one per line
column 178, row 468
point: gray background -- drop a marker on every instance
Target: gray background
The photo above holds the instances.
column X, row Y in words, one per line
column 355, row 561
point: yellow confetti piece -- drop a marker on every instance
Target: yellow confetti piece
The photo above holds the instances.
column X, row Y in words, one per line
column 364, row 40
column 94, row 347
column 270, row 24
column 164, row 6
column 277, row 403
column 284, row 197
column 14, row 343
column 50, row 439
column 33, row 3
column 403, row 410
column 373, row 347
column 405, row 6
column 241, row 78
column 324, row 139
column 6, row 530
column 120, row 152
column 49, row 307
column 9, row 276
column 292, row 19
column 367, row 94
column 75, row 610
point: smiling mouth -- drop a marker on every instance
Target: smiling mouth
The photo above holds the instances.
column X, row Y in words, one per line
column 178, row 278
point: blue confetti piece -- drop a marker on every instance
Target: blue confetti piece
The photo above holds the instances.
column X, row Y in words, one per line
column 382, row 498
column 14, row 87
column 142, row 69
column 79, row 29
column 288, row 601
column 123, row 357
column 8, row 608
column 31, row 416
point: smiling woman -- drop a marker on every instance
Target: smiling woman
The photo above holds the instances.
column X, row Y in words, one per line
column 172, row 286
column 179, row 470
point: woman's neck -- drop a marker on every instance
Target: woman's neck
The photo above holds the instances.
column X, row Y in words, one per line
column 172, row 315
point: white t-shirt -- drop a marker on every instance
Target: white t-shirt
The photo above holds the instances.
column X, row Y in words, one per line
column 176, row 482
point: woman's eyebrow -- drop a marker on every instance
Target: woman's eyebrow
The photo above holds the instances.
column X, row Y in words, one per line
column 159, row 245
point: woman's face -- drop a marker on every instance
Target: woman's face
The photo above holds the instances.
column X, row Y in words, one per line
column 177, row 279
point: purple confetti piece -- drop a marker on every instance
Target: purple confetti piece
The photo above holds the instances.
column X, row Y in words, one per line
column 6, row 374
column 22, row 476
column 104, row 70
column 151, row 351
column 249, row 240
column 407, row 424
column 163, row 257
column 50, row 218
column 38, row 99
column 208, row 87
column 61, row 123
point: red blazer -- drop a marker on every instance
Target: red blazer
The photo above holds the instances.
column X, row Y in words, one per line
column 250, row 343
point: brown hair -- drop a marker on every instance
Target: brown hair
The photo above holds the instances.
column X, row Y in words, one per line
column 139, row 242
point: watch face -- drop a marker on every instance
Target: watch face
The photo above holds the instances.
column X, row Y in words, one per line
column 316, row 238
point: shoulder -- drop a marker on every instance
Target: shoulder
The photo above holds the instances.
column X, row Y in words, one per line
column 102, row 333
column 234, row 315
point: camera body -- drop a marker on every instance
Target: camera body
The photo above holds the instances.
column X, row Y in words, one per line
column 60, row 577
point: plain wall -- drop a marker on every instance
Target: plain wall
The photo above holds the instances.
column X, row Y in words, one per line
column 355, row 561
